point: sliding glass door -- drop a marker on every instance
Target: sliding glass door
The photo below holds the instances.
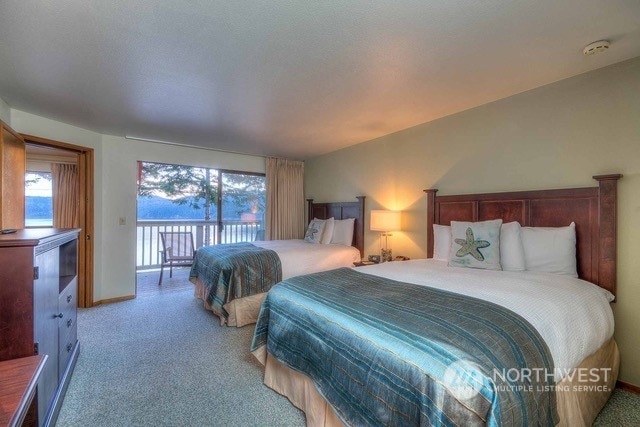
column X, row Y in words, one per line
column 242, row 206
column 217, row 206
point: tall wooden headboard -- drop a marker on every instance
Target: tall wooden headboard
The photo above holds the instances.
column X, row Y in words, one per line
column 342, row 210
column 593, row 209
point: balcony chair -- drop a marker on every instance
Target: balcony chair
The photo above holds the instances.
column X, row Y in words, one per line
column 177, row 250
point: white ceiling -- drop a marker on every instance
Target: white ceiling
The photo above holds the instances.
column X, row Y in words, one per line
column 291, row 78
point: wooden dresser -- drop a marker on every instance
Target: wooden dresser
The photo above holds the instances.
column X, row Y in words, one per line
column 38, row 300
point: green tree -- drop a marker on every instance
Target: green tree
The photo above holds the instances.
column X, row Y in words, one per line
column 184, row 185
column 245, row 191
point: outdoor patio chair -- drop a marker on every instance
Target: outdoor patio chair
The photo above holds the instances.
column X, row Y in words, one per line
column 177, row 250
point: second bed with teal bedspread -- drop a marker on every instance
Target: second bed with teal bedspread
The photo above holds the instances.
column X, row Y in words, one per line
column 234, row 271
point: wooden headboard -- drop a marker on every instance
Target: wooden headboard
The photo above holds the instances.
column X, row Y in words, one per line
column 342, row 210
column 593, row 209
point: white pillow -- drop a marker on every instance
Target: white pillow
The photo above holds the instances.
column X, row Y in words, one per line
column 475, row 244
column 327, row 233
column 511, row 249
column 441, row 242
column 343, row 231
column 551, row 249
column 314, row 231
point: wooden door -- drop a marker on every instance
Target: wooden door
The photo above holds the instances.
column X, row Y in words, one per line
column 13, row 163
column 85, row 239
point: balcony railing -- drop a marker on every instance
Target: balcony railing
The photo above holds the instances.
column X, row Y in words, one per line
column 204, row 233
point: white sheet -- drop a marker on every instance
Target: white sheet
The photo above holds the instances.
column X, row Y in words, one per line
column 572, row 316
column 299, row 257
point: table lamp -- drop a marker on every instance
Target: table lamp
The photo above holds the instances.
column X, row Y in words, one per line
column 385, row 221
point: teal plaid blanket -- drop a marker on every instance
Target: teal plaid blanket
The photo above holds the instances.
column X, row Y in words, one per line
column 388, row 353
column 234, row 271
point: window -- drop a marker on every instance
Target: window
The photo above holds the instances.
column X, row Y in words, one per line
column 39, row 199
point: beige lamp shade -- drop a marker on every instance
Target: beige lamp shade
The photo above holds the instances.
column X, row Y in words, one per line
column 383, row 220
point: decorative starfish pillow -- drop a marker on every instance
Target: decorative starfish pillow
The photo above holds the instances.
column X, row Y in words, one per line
column 314, row 231
column 475, row 244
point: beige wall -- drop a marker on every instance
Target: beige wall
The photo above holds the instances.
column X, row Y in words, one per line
column 554, row 136
column 115, row 190
column 5, row 112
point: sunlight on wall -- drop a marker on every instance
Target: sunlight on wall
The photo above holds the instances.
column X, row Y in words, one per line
column 556, row 136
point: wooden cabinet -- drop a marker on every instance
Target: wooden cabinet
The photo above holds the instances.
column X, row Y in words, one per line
column 13, row 165
column 38, row 300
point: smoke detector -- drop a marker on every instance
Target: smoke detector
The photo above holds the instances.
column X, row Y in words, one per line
column 596, row 47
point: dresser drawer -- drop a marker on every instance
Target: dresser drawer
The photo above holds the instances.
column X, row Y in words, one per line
column 67, row 330
column 67, row 342
column 67, row 322
column 67, row 308
column 69, row 296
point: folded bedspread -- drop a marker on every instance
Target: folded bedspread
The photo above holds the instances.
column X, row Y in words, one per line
column 383, row 352
column 234, row 271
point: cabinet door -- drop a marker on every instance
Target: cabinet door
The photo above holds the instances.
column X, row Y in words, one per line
column 13, row 163
column 45, row 300
column 16, row 302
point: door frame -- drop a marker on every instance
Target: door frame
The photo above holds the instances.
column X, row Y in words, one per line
column 86, row 213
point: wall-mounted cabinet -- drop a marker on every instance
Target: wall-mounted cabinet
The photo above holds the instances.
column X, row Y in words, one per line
column 38, row 300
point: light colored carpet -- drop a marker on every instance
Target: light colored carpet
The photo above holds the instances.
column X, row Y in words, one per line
column 147, row 282
column 622, row 410
column 165, row 361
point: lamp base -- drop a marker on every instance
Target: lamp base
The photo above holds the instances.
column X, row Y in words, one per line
column 385, row 255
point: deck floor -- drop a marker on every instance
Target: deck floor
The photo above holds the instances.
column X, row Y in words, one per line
column 147, row 282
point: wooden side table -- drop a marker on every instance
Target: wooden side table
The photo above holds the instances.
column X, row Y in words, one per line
column 18, row 381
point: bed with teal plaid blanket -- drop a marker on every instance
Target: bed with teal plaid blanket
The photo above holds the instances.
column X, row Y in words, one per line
column 388, row 353
column 234, row 271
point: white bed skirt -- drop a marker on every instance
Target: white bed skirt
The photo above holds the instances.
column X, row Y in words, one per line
column 242, row 311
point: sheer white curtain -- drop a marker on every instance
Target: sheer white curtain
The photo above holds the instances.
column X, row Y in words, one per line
column 285, row 199
column 65, row 195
